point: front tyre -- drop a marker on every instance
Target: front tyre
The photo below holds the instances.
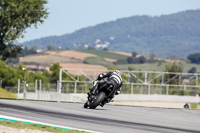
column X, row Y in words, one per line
column 97, row 101
column 86, row 104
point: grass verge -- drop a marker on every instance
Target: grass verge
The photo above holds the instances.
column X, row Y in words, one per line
column 5, row 94
column 22, row 125
column 194, row 105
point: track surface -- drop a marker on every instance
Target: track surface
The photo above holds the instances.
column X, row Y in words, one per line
column 109, row 119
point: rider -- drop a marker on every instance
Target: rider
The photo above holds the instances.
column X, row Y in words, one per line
column 114, row 82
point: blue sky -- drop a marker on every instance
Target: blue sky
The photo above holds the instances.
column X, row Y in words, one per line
column 67, row 16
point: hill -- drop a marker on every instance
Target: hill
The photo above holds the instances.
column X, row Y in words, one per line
column 175, row 34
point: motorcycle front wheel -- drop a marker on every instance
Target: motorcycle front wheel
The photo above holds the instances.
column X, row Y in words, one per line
column 85, row 104
column 97, row 101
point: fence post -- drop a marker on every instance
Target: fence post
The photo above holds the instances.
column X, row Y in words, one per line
column 149, row 89
column 18, row 89
column 131, row 88
column 145, row 77
column 60, row 80
column 196, row 80
column 36, row 90
column 40, row 85
column 40, row 90
column 162, row 81
column 185, row 89
column 75, row 86
column 59, row 90
column 167, row 91
column 24, row 92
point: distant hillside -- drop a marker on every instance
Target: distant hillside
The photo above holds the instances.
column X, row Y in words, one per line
column 176, row 34
column 79, row 59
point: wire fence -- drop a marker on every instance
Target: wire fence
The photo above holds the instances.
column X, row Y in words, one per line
column 127, row 88
column 134, row 82
column 130, row 88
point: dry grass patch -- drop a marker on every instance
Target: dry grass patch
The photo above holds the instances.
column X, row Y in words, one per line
column 43, row 59
column 82, row 66
column 110, row 60
column 122, row 53
column 47, row 59
column 71, row 54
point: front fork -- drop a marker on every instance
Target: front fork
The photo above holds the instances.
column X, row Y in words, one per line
column 94, row 88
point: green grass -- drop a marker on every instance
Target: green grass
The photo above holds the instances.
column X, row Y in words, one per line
column 97, row 61
column 104, row 54
column 22, row 125
column 5, row 94
column 194, row 105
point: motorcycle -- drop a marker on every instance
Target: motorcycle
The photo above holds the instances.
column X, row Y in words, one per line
column 100, row 97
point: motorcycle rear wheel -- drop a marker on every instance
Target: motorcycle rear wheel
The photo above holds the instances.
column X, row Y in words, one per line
column 97, row 101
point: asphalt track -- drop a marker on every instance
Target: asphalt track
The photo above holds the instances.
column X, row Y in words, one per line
column 109, row 119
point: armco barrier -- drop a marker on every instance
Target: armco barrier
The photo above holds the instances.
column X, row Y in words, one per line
column 53, row 96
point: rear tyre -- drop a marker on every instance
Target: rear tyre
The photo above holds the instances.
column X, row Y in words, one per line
column 97, row 101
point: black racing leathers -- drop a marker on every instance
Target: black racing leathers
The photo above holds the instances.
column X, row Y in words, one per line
column 114, row 82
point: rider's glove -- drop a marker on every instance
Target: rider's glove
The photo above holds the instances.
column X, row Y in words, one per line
column 100, row 76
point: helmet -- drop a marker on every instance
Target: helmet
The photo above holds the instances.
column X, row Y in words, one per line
column 118, row 72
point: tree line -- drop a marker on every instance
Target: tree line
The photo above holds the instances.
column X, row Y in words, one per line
column 194, row 58
column 138, row 59
column 9, row 75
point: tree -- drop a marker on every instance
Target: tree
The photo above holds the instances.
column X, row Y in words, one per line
column 192, row 70
column 152, row 58
column 134, row 54
column 39, row 76
column 194, row 58
column 173, row 68
column 7, row 75
column 55, row 68
column 54, row 73
column 27, row 51
column 141, row 60
column 136, row 60
column 51, row 47
column 132, row 60
column 16, row 16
